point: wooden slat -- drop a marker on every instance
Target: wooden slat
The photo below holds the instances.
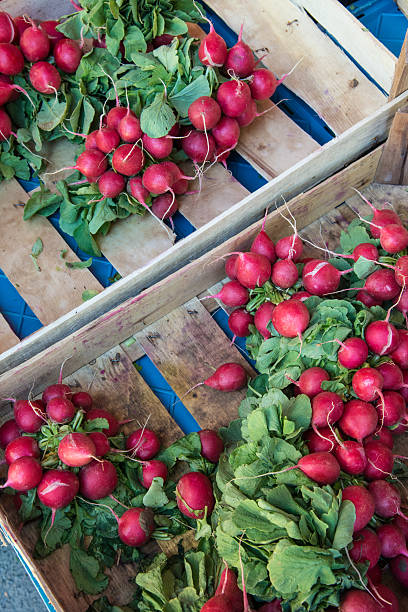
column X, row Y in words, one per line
column 403, row 6
column 7, row 337
column 326, row 79
column 187, row 346
column 400, row 82
column 358, row 41
column 393, row 166
column 54, row 290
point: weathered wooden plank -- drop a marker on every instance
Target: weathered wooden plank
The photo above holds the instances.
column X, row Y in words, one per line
column 187, row 346
column 400, row 82
column 7, row 337
column 393, row 167
column 114, row 327
column 326, row 79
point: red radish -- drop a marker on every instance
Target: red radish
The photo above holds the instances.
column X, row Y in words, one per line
column 240, row 59
column 212, row 50
column 90, row 140
column 374, row 575
column 29, row 416
column 351, row 457
column 8, row 90
column 249, row 114
column 164, row 206
column 24, row 446
column 5, row 125
column 391, row 408
column 228, row 586
column 382, row 337
column 115, row 115
column 310, row 381
column 230, row 267
column 107, row 139
column 367, row 299
column 228, row 377
column 392, row 541
column 144, row 444
column 35, row 44
column 321, row 467
column 99, row 413
column 101, row 443
column 359, row 419
column 289, row 247
column 264, row 83
column 195, row 498
column 273, row 606
column 380, row 460
column 211, row 445
column 381, row 218
column 363, row 502
column 180, row 187
column 198, row 146
column 57, row 489
column 76, row 449
column 128, row 159
column 384, row 436
column 11, row 59
column 393, row 238
column 386, row 498
column 111, row 184
column 239, row 322
column 320, row 440
column 21, row 22
column 400, row 355
column 352, row 353
column 9, row 431
column 97, row 479
column 263, row 245
column 392, row 375
column 164, row 39
column 153, row 469
column 233, row 97
column 358, row 601
column 252, row 269
column 399, row 569
column 158, row 147
column 226, row 132
column 91, row 163
column 284, row 273
column 382, row 285
column 23, row 474
column 327, row 408
column 60, row 410
column 136, row 526
column 399, row 521
column 388, row 599
column 138, row 191
column 367, row 250
column 57, row 390
column 45, row 78
column 129, row 128
column 204, row 113
column 404, row 390
column 8, row 30
column 158, row 178
column 175, row 171
column 290, row 318
column 83, row 400
column 263, row 317
column 366, row 547
column 50, row 28
column 401, row 271
column 232, row 294
column 301, row 295
column 68, row 55
column 367, row 384
column 321, row 277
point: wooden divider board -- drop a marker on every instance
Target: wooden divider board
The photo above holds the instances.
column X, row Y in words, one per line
column 326, row 78
column 393, row 166
column 7, row 337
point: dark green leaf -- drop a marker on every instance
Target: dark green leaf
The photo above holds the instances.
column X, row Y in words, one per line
column 86, row 572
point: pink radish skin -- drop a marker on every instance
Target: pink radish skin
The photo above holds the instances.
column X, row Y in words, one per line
column 327, row 408
column 7, row 90
column 263, row 84
column 392, row 375
column 284, row 273
column 111, row 184
column 399, row 569
column 23, row 474
column 53, row 34
column 217, row 603
column 320, row 277
column 9, row 431
column 386, row 498
column 321, row 467
column 239, row 322
column 128, row 159
column 252, row 269
column 137, row 190
column 358, row 601
column 392, row 541
column 67, row 55
column 301, row 295
column 159, row 148
column 384, row 436
column 83, row 400
column 394, row 238
column 5, row 125
column 352, row 353
column 101, row 443
column 153, row 469
column 11, row 59
column 363, row 502
column 76, row 449
column 240, row 59
column 58, row 390
column 367, row 250
column 366, row 547
column 212, row 50
column 23, row 446
column 226, row 132
column 366, row 299
column 401, row 271
column 90, row 140
column 99, row 413
column 391, row 408
column 158, row 179
column 351, row 457
column 289, row 247
column 401, row 523
column 29, row 416
column 232, row 294
column 21, row 24
column 273, row 606
column 194, row 495
column 45, row 78
column 204, row 113
column 211, row 445
column 249, row 114
column 233, row 97
column 228, row 377
column 228, row 586
column 374, row 574
column 8, row 30
column 129, row 128
column 60, row 410
column 381, row 218
column 164, row 206
column 107, row 139
column 400, row 355
column 290, row 318
column 144, row 443
column 263, row 245
column 115, row 115
column 198, row 146
column 404, row 390
column 135, row 526
column 35, row 44
column 180, row 187
column 322, row 440
column 380, row 460
column 230, row 267
column 382, row 337
column 384, row 594
column 367, row 384
column 57, row 489
column 359, row 419
column 263, row 317
column 97, row 479
column 310, row 381
column 91, row 163
column 382, row 285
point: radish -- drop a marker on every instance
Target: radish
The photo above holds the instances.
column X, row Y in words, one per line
column 359, row 419
column 264, row 83
column 11, row 59
column 387, row 499
column 97, row 479
column 381, row 218
column 57, row 390
column 351, row 457
column 164, row 39
column 111, row 184
column 34, row 43
column 382, row 337
column 158, row 178
column 301, row 295
column 8, row 30
column 399, row 522
column 392, row 375
column 367, row 250
column 212, row 50
column 128, row 159
column 374, row 575
column 380, row 460
column 284, row 273
column 310, row 381
column 198, row 146
column 67, row 55
column 107, row 139
column 404, row 390
column 153, row 469
column 358, row 601
column 382, row 285
column 9, row 431
column 194, row 493
column 60, row 410
column 99, row 413
column 366, row 547
column 157, row 147
column 263, row 245
column 211, row 445
column 21, row 22
column 363, row 502
column 391, row 408
column 239, row 322
column 384, row 436
column 249, row 114
column 164, row 206
column 400, row 355
column 401, row 271
column 393, row 238
column 82, row 400
column 204, row 113
column 217, row 603
column 352, row 353
column 230, row 267
column 399, row 569
column 263, row 317
column 76, row 449
column 392, row 541
column 5, row 125
column 366, row 299
column 273, row 606
column 101, row 443
column 226, row 132
column 227, row 377
column 8, row 90
column 233, row 97
column 289, row 247
column 138, row 191
column 115, row 115
column 44, row 77
column 129, row 128
column 228, row 586
column 252, row 269
column 180, row 187
column 90, row 140
column 321, row 467
column 29, row 416
column 232, row 294
column 321, row 277
column 240, row 59
column 320, row 440
column 23, row 446
column 143, row 443
column 57, row 489
column 367, row 384
column 91, row 163
column 290, row 318
column 388, row 599
column 50, row 28
column 136, row 526
column 23, row 474
column 327, row 408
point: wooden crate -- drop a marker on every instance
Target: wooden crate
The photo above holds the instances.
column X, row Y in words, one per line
column 357, row 111
column 174, row 329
